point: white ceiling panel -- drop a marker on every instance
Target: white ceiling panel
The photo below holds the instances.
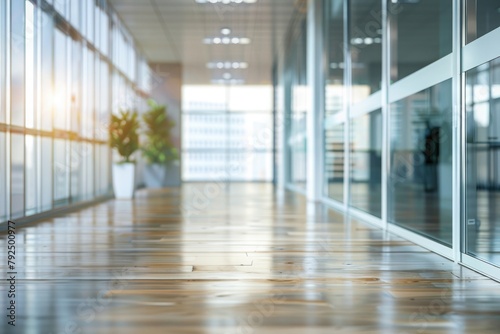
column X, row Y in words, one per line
column 173, row 31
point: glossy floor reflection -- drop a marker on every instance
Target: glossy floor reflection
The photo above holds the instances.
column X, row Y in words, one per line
column 203, row 259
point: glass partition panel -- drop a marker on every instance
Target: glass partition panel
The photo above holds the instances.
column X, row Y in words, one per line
column 420, row 189
column 61, row 171
column 483, row 162
column 17, row 63
column 365, row 41
column 75, row 168
column 3, row 177
column 46, row 94
column 46, row 166
column 366, row 163
column 334, row 41
column 3, row 58
column 30, row 120
column 482, row 16
column 88, row 170
column 334, row 162
column 31, row 174
column 61, row 86
column 104, row 170
column 17, row 176
column 420, row 34
column 297, row 141
column 232, row 146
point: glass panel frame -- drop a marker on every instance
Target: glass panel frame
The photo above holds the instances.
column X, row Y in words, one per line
column 366, row 163
column 482, row 101
column 421, row 163
column 420, row 34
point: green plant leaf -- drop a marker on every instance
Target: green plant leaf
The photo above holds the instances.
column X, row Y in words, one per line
column 123, row 133
column 158, row 147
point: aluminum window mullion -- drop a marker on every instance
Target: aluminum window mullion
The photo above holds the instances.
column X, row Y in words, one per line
column 457, row 140
column 347, row 103
column 6, row 64
column 385, row 108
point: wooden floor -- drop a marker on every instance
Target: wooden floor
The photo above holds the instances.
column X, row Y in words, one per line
column 202, row 259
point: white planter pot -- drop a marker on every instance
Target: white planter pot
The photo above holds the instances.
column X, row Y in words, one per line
column 155, row 175
column 124, row 180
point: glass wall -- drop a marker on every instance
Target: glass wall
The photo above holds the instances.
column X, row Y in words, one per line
column 411, row 105
column 56, row 102
column 483, row 161
column 334, row 162
column 420, row 34
column 295, row 113
column 365, row 47
column 482, row 16
column 333, row 134
column 227, row 133
column 4, row 185
column 421, row 164
column 366, row 163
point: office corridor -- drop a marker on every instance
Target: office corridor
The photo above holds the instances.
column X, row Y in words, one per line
column 240, row 259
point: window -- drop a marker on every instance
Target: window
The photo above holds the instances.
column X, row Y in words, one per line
column 366, row 163
column 421, row 34
column 421, row 165
column 482, row 17
column 365, row 42
column 483, row 161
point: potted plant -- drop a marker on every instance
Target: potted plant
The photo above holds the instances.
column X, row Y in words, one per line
column 158, row 149
column 124, row 138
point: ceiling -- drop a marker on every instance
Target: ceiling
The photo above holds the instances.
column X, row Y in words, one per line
column 173, row 31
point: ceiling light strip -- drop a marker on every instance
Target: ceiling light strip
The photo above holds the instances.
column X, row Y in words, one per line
column 226, row 2
column 226, row 40
column 227, row 65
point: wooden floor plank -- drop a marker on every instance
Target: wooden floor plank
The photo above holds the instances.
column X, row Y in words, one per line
column 246, row 260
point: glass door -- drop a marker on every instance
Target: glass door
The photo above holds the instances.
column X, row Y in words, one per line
column 483, row 162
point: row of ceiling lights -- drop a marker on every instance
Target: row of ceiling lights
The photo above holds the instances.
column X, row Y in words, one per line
column 225, row 81
column 228, row 65
column 226, row 2
column 225, row 39
column 366, row 40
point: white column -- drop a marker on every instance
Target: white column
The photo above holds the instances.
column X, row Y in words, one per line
column 315, row 86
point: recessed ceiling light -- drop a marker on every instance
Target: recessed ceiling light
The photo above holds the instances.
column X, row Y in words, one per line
column 366, row 41
column 227, row 65
column 226, row 40
column 226, row 2
column 225, row 31
column 228, row 82
column 336, row 65
column 357, row 41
